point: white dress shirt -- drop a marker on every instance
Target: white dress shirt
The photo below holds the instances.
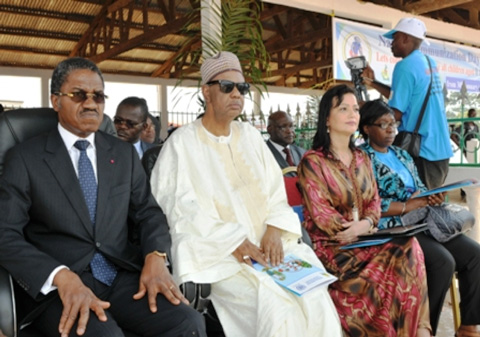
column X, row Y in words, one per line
column 69, row 140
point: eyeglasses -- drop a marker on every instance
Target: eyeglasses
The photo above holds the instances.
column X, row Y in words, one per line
column 81, row 96
column 129, row 123
column 227, row 86
column 386, row 125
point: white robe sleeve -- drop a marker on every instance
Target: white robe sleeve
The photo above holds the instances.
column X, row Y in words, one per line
column 200, row 239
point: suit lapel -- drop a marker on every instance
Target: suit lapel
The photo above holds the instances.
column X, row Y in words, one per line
column 295, row 154
column 278, row 156
column 59, row 162
column 105, row 169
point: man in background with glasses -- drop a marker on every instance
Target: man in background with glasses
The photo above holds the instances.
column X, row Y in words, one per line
column 282, row 135
column 225, row 201
column 130, row 120
column 65, row 198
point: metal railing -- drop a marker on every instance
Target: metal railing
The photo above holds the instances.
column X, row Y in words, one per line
column 464, row 133
column 465, row 140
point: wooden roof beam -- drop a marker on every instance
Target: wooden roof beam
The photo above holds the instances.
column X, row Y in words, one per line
column 39, row 34
column 281, row 30
column 75, row 37
column 295, row 69
column 454, row 17
column 272, row 10
column 427, row 6
column 297, row 41
column 22, row 10
column 473, row 17
column 117, row 5
column 170, row 28
column 91, row 29
column 37, row 51
column 166, row 67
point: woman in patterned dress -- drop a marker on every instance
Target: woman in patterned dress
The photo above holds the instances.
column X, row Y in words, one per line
column 381, row 290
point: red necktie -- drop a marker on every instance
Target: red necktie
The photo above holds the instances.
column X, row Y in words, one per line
column 289, row 156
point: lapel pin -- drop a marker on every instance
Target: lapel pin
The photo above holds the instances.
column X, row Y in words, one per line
column 112, row 161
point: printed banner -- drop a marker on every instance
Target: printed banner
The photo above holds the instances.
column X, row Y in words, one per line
column 459, row 66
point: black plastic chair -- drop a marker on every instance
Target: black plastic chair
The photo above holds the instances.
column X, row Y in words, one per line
column 8, row 323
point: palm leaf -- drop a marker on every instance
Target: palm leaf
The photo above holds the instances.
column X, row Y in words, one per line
column 241, row 34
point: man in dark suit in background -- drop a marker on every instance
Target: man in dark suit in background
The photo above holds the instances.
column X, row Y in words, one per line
column 282, row 134
column 130, row 120
column 65, row 198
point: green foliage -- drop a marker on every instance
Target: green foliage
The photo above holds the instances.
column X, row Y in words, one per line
column 241, row 33
column 457, row 103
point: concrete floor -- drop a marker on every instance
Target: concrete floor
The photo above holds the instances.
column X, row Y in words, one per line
column 445, row 326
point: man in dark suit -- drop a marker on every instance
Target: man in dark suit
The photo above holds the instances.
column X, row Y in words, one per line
column 130, row 120
column 282, row 134
column 65, row 198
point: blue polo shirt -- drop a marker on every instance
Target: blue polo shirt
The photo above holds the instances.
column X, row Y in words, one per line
column 411, row 78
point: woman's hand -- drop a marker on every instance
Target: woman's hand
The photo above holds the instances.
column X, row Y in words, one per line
column 352, row 231
column 436, row 199
column 415, row 203
column 271, row 245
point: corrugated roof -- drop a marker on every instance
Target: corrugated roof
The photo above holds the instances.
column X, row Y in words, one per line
column 136, row 36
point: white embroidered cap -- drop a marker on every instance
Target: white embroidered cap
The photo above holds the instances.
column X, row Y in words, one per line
column 220, row 63
column 410, row 26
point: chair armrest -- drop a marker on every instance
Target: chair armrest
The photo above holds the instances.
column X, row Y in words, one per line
column 8, row 323
column 289, row 169
column 197, row 294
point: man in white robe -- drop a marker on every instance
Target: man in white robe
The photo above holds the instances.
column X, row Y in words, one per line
column 224, row 197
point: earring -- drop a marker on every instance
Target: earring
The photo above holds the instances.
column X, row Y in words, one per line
column 328, row 129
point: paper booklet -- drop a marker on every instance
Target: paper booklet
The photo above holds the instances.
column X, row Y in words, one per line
column 366, row 243
column 384, row 235
column 297, row 275
column 408, row 230
column 449, row 187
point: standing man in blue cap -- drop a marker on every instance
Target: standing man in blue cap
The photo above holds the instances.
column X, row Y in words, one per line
column 410, row 83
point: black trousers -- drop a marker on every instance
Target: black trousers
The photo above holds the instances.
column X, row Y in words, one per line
column 461, row 254
column 128, row 314
column 432, row 173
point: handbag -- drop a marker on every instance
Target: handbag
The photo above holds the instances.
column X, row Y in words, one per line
column 448, row 221
column 411, row 141
column 444, row 222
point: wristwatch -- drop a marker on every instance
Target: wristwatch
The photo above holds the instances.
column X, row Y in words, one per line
column 164, row 255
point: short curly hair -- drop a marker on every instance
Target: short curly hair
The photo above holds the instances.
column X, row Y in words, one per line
column 64, row 68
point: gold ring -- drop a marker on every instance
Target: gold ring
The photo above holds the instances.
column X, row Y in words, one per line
column 246, row 257
column 171, row 287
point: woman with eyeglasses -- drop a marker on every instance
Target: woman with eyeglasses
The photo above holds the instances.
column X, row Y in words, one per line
column 398, row 182
column 381, row 290
column 225, row 201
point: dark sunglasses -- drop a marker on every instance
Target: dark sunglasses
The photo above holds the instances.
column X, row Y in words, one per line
column 227, row 86
column 129, row 123
column 82, row 96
